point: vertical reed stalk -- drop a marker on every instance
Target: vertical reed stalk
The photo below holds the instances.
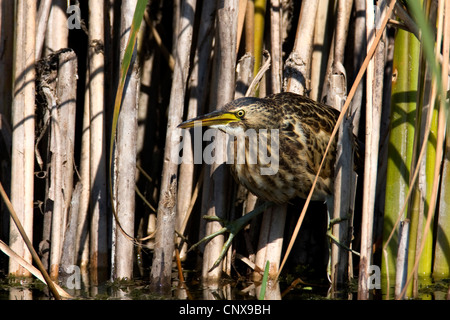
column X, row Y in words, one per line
column 423, row 195
column 63, row 111
column 339, row 207
column 56, row 37
column 165, row 229
column 276, row 45
column 374, row 76
column 442, row 80
column 249, row 27
column 441, row 267
column 223, row 89
column 403, row 106
column 82, row 242
column 6, row 59
column 23, row 124
column 197, row 99
column 322, row 43
column 442, row 264
column 270, row 243
column 422, row 189
column 125, row 157
column 298, row 65
column 6, row 96
column 359, row 49
column 260, row 12
column 56, row 195
column 98, row 237
column 420, row 263
column 61, row 181
column 242, row 11
column 41, row 25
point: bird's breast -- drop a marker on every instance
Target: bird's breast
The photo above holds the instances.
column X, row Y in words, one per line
column 278, row 175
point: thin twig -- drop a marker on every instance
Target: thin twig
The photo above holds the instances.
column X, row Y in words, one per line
column 252, row 88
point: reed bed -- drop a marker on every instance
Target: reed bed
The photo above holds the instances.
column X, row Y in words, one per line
column 92, row 93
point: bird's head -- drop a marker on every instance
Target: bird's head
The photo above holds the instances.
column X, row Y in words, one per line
column 237, row 116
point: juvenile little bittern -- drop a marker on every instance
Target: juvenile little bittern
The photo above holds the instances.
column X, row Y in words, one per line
column 303, row 128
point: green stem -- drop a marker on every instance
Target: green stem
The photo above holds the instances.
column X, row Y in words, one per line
column 262, row 293
column 401, row 140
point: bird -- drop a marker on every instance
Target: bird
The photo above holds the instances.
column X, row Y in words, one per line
column 303, row 128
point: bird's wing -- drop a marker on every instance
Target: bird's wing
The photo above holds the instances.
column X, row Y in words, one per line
column 306, row 127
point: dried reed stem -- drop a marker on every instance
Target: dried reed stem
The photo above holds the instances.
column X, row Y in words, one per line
column 98, row 238
column 165, row 229
column 23, row 122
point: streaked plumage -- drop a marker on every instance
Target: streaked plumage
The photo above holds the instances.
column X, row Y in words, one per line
column 304, row 128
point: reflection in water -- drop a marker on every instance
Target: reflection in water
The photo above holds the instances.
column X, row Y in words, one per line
column 31, row 289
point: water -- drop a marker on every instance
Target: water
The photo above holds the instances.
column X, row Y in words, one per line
column 138, row 289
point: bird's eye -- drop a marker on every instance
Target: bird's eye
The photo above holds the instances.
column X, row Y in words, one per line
column 240, row 113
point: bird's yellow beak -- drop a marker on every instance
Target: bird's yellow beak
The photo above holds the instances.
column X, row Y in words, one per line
column 210, row 119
